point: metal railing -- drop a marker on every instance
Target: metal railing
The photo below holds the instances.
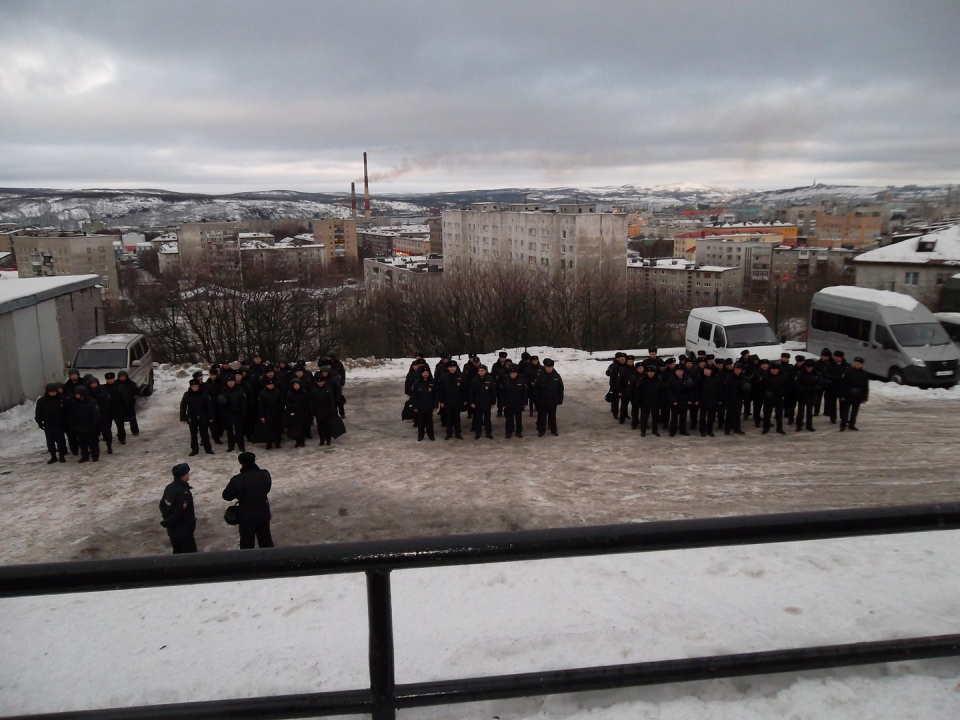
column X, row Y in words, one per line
column 378, row 559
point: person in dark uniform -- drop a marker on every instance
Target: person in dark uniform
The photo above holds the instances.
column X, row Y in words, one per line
column 84, row 418
column 196, row 409
column 809, row 390
column 233, row 407
column 613, row 372
column 213, row 386
column 250, row 488
column 425, row 401
column 831, row 378
column 270, row 407
column 323, row 404
column 549, row 388
column 51, row 417
column 826, row 357
column 470, row 371
column 497, row 373
column 452, row 395
column 483, row 397
column 513, row 395
column 758, row 371
column 534, row 368
column 297, row 412
column 633, row 391
column 176, row 509
column 133, row 392
column 119, row 405
column 709, row 393
column 100, row 397
column 69, row 387
column 623, row 388
column 773, row 385
column 680, row 394
column 854, row 390
column 651, row 399
column 439, row 370
column 736, row 389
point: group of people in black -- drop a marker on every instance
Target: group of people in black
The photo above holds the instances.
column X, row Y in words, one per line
column 703, row 392
column 249, row 488
column 76, row 414
column 262, row 402
column 507, row 387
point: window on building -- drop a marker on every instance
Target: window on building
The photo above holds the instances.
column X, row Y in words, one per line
column 912, row 278
column 545, row 262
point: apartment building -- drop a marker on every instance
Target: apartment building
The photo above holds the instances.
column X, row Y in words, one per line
column 401, row 272
column 338, row 236
column 436, row 235
column 855, row 227
column 291, row 258
column 45, row 256
column 570, row 237
column 697, row 285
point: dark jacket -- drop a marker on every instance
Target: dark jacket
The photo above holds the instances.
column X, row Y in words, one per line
column 50, row 412
column 627, row 372
column 681, row 390
column 424, row 395
column 83, row 415
column 196, row 406
column 297, row 406
column 709, row 392
column 176, row 508
column 133, row 392
column 773, row 387
column 549, row 388
column 323, row 400
column 735, row 390
column 832, row 376
column 856, row 385
column 270, row 405
column 652, row 392
column 250, row 486
column 232, row 404
column 483, row 392
column 102, row 399
column 808, row 385
column 613, row 372
column 513, row 393
column 121, row 404
column 452, row 390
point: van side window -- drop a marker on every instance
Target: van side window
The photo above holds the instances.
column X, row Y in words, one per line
column 705, row 329
column 146, row 348
column 953, row 330
column 136, row 352
column 883, row 335
column 719, row 337
column 843, row 324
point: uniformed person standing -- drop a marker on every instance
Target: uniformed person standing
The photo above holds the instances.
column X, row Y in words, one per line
column 270, row 406
column 483, row 396
column 709, row 394
column 613, row 372
column 196, row 409
column 176, row 509
column 549, row 389
column 69, row 388
column 452, row 395
column 513, row 396
column 232, row 405
column 855, row 389
column 651, row 399
column 773, row 385
column 736, row 390
column 119, row 405
column 84, row 419
column 809, row 390
column 250, row 488
column 50, row 416
column 680, row 395
column 424, row 399
column 133, row 392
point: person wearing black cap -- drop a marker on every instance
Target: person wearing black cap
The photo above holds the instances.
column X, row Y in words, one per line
column 133, row 391
column 530, row 375
column 323, row 404
column 773, row 386
column 709, row 393
column 832, row 379
column 513, row 395
column 549, row 387
column 854, row 390
column 297, row 411
column 232, row 404
column 452, row 396
column 50, row 416
column 680, row 394
column 425, row 401
column 470, row 371
column 651, row 396
column 250, row 488
column 196, row 409
column 104, row 425
column 213, row 386
column 498, row 372
column 789, row 397
column 119, row 405
column 176, row 509
column 808, row 388
column 72, row 383
column 270, row 409
column 826, row 357
column 483, row 396
column 735, row 389
column 441, row 368
column 623, row 388
column 613, row 372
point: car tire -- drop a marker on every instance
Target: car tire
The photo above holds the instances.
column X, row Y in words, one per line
column 148, row 390
column 896, row 376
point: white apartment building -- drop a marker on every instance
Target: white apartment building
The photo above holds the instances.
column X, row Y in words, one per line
column 570, row 237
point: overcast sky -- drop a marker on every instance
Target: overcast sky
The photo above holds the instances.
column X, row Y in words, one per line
column 230, row 96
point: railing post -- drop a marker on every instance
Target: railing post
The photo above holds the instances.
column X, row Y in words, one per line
column 380, row 618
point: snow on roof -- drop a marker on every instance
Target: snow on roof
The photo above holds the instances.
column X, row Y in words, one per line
column 881, row 297
column 945, row 249
column 253, row 235
column 170, row 248
column 24, row 292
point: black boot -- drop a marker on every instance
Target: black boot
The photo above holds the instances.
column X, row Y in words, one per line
column 52, row 460
column 194, row 452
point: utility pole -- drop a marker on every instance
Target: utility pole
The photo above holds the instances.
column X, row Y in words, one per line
column 776, row 312
column 523, row 320
column 457, row 326
column 590, row 323
column 654, row 319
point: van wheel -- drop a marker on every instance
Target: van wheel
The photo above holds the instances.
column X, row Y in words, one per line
column 896, row 376
column 148, row 390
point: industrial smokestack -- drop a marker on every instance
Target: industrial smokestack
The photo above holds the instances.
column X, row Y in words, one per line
column 353, row 200
column 366, row 189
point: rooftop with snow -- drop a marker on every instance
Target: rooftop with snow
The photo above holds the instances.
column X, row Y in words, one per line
column 940, row 247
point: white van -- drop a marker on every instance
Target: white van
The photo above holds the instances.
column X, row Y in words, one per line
column 897, row 336
column 726, row 331
column 951, row 323
column 113, row 353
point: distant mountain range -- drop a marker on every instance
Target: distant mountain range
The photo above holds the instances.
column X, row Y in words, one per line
column 157, row 208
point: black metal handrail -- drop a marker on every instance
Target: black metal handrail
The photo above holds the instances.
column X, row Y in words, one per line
column 378, row 559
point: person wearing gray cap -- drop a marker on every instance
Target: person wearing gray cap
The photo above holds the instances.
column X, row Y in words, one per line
column 176, row 508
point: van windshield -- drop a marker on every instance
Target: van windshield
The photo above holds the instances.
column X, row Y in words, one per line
column 101, row 358
column 741, row 336
column 920, row 334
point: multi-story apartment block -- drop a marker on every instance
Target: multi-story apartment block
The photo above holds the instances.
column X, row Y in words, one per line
column 572, row 237
column 339, row 238
column 803, row 216
column 856, row 227
column 436, row 235
column 292, row 259
column 400, row 272
column 695, row 284
column 40, row 256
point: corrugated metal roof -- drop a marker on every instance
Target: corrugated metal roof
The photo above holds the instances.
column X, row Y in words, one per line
column 25, row 292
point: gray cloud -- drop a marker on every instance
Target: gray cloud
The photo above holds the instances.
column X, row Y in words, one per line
column 443, row 95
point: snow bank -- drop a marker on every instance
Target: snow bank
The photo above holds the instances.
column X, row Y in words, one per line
column 244, row 639
column 16, row 416
column 907, row 393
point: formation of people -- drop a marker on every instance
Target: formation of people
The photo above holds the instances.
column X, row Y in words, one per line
column 507, row 387
column 262, row 402
column 249, row 489
column 705, row 393
column 77, row 414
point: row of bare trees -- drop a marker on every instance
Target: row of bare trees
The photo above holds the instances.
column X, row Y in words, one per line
column 214, row 313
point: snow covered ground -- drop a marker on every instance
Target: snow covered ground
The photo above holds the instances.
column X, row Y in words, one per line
column 245, row 639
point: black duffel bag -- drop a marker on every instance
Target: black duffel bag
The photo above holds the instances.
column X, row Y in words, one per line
column 231, row 516
column 608, row 398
